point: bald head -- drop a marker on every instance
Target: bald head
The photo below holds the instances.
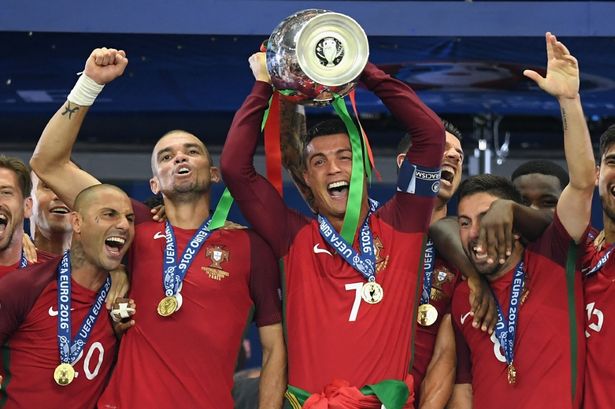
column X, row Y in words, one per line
column 168, row 138
column 89, row 195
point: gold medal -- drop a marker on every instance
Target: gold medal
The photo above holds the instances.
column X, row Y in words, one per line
column 512, row 374
column 167, row 306
column 427, row 315
column 372, row 292
column 64, row 374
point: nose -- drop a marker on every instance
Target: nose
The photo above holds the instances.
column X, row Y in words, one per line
column 334, row 167
column 453, row 154
column 123, row 223
column 180, row 157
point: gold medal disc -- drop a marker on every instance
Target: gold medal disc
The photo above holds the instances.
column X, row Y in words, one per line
column 427, row 315
column 512, row 374
column 372, row 292
column 167, row 306
column 64, row 374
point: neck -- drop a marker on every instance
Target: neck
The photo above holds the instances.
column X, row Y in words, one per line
column 439, row 212
column 12, row 254
column 187, row 214
column 510, row 263
column 53, row 243
column 338, row 223
column 609, row 228
column 84, row 272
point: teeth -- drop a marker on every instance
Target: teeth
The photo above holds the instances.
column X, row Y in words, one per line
column 3, row 219
column 59, row 210
column 612, row 190
column 339, row 184
column 115, row 241
column 182, row 171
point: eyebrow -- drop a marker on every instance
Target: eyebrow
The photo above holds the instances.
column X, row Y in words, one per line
column 185, row 146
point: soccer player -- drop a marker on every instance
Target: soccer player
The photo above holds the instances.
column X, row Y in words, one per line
column 15, row 206
column 540, row 183
column 434, row 343
column 349, row 333
column 182, row 350
column 535, row 358
column 50, row 226
column 57, row 348
column 599, row 271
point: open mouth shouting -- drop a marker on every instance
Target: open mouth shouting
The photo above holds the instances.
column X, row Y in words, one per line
column 4, row 221
column 114, row 246
column 183, row 170
column 447, row 174
column 338, row 190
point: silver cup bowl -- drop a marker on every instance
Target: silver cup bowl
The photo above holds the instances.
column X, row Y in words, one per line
column 316, row 54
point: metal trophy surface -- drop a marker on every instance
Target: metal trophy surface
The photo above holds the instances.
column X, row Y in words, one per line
column 315, row 54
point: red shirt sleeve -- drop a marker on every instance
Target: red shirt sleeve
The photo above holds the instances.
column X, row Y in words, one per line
column 264, row 283
column 464, row 361
column 19, row 290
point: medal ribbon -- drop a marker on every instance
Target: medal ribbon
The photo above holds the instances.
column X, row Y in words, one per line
column 174, row 272
column 70, row 349
column 429, row 261
column 364, row 262
column 505, row 329
column 592, row 270
column 23, row 263
column 355, row 192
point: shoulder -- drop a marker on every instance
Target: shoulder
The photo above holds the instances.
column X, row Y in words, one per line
column 29, row 282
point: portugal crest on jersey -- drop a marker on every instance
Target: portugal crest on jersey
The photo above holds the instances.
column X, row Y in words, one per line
column 442, row 276
column 381, row 262
column 217, row 255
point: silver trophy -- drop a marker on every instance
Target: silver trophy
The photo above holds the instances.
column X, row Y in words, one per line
column 316, row 54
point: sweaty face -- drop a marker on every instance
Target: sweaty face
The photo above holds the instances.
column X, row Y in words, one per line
column 49, row 214
column 606, row 183
column 328, row 170
column 471, row 210
column 452, row 162
column 13, row 207
column 181, row 166
column 106, row 228
column 539, row 191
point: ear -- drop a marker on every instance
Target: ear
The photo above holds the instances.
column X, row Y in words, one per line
column 27, row 208
column 215, row 174
column 153, row 185
column 76, row 221
column 306, row 179
column 400, row 159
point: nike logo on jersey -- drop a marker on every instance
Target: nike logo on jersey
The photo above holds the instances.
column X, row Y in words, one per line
column 465, row 316
column 319, row 250
column 159, row 235
column 54, row 313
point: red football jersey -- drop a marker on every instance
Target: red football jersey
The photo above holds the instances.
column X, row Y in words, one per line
column 41, row 256
column 599, row 290
column 549, row 344
column 187, row 360
column 28, row 329
column 444, row 280
column 331, row 333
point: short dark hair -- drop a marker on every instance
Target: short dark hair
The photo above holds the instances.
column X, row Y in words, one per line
column 406, row 141
column 543, row 167
column 607, row 139
column 21, row 170
column 494, row 185
column 328, row 127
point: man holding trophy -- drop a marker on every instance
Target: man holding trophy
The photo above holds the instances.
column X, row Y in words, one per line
column 349, row 300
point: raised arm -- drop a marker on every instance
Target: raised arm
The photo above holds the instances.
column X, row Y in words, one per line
column 417, row 119
column 51, row 158
column 562, row 81
column 258, row 200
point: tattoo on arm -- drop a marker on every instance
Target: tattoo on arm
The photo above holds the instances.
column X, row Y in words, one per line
column 564, row 121
column 70, row 111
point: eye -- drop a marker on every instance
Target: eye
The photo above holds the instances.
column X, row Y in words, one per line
column 464, row 223
column 193, row 151
column 165, row 157
column 318, row 162
column 130, row 218
column 6, row 193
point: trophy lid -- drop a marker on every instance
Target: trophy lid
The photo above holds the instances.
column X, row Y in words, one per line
column 332, row 49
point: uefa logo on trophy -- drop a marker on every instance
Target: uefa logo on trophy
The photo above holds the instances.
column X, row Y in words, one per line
column 314, row 55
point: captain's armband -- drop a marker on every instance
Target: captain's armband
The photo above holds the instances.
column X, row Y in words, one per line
column 417, row 180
